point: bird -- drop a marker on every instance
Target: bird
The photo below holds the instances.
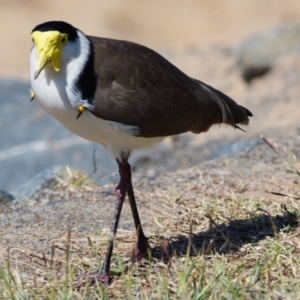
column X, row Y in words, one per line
column 124, row 96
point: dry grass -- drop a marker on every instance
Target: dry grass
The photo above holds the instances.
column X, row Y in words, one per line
column 226, row 247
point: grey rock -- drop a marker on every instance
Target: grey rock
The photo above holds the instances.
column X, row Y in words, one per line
column 36, row 185
column 259, row 53
column 231, row 148
column 48, row 179
column 5, row 197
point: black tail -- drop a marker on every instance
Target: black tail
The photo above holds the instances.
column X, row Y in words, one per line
column 218, row 108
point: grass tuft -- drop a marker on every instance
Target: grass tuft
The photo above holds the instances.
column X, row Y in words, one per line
column 223, row 247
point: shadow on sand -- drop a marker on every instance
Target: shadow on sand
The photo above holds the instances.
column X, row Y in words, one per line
column 230, row 237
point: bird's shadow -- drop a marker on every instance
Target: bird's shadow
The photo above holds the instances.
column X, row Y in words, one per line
column 227, row 238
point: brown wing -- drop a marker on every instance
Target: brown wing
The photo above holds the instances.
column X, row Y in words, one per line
column 138, row 87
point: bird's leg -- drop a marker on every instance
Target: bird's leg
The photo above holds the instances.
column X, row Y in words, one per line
column 120, row 192
column 142, row 246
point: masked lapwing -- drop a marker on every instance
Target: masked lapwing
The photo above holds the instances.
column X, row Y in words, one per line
column 124, row 96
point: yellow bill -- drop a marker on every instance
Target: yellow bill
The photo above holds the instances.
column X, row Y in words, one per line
column 49, row 46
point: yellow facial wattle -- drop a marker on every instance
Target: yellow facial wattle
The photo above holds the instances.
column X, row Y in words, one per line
column 49, row 45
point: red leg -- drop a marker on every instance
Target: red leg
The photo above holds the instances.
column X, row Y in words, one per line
column 142, row 246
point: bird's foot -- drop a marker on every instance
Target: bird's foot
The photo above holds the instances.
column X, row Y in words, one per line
column 141, row 249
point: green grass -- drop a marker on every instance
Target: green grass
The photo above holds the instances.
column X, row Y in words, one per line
column 223, row 267
column 272, row 274
column 222, row 248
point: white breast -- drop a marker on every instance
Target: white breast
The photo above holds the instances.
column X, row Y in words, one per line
column 53, row 90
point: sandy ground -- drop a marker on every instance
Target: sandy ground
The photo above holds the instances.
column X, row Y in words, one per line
column 195, row 36
column 169, row 24
column 230, row 191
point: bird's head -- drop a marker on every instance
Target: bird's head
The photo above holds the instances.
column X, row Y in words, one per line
column 49, row 39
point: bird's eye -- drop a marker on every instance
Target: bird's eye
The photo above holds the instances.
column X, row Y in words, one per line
column 63, row 40
column 33, row 40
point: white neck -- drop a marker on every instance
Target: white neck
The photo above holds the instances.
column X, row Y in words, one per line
column 73, row 60
column 57, row 94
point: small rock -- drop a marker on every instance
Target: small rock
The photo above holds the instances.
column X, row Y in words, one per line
column 32, row 188
column 258, row 54
column 231, row 148
column 5, row 197
column 47, row 179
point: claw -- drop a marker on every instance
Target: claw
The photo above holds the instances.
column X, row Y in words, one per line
column 142, row 247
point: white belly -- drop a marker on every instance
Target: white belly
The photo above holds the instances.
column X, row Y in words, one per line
column 54, row 95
